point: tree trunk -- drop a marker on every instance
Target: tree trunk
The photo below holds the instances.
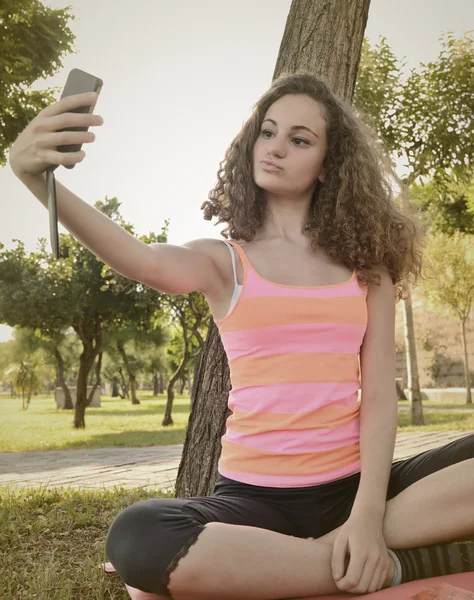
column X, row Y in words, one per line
column 115, row 391
column 414, row 392
column 168, row 419
column 413, row 380
column 156, row 385
column 325, row 38
column 86, row 361
column 123, row 384
column 97, row 383
column 197, row 366
column 131, row 375
column 162, row 383
column 68, row 405
column 197, row 471
column 467, row 375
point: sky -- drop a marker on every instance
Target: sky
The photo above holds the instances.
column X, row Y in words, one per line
column 180, row 80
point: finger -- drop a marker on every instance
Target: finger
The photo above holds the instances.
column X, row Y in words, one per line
column 64, row 138
column 52, row 157
column 69, row 120
column 373, row 578
column 338, row 558
column 354, row 571
column 381, row 580
column 70, row 102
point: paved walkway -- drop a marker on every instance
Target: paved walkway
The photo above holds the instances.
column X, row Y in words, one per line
column 152, row 467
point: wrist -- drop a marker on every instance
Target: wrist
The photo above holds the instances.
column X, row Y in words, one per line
column 373, row 510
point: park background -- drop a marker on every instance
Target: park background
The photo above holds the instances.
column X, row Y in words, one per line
column 179, row 81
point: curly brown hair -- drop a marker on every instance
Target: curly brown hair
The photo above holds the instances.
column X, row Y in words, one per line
column 352, row 215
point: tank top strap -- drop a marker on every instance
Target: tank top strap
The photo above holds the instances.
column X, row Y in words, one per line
column 243, row 257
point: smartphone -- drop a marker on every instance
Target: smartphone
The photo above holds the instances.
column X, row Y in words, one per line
column 78, row 82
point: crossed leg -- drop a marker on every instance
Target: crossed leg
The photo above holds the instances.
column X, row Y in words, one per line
column 431, row 503
column 430, row 500
column 437, row 508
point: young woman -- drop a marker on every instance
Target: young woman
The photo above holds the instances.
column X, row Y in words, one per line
column 308, row 501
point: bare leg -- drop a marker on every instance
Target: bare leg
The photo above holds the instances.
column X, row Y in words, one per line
column 236, row 562
column 435, row 509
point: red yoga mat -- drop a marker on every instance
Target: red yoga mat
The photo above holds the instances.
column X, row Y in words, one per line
column 446, row 587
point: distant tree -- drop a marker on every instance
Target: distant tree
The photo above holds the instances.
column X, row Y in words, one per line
column 450, row 289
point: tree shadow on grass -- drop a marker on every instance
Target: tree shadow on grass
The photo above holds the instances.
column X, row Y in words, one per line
column 133, row 411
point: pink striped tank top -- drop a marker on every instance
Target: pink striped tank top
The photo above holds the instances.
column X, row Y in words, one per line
column 293, row 354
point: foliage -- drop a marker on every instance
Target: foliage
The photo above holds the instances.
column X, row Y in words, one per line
column 450, row 288
column 34, row 40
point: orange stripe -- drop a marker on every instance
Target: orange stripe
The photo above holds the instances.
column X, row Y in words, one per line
column 328, row 417
column 294, row 367
column 238, row 458
column 289, row 310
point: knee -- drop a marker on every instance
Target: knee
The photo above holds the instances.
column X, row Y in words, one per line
column 466, row 449
column 133, row 546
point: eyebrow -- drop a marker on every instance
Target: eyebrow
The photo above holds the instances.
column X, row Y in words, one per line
column 294, row 127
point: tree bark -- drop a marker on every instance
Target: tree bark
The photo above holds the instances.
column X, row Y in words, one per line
column 414, row 392
column 202, row 446
column 325, row 38
column 413, row 379
column 131, row 375
column 92, row 345
column 68, row 405
column 97, row 382
column 467, row 374
column 115, row 391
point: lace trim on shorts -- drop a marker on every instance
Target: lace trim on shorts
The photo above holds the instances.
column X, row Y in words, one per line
column 174, row 562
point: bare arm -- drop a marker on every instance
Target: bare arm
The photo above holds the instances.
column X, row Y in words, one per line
column 103, row 237
column 165, row 267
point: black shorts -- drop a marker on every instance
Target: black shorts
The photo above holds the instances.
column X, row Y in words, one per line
column 146, row 540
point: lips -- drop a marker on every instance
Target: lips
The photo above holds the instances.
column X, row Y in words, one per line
column 270, row 166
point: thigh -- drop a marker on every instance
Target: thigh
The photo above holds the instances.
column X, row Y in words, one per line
column 406, row 472
column 147, row 539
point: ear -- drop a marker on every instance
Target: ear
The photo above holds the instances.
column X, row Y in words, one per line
column 322, row 176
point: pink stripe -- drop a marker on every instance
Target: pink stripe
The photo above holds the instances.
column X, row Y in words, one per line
column 298, row 441
column 281, row 339
column 291, row 480
column 293, row 397
column 255, row 286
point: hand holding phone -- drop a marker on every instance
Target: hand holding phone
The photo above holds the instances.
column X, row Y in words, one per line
column 79, row 82
column 55, row 137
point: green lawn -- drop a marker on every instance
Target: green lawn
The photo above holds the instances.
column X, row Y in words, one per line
column 115, row 423
column 52, row 540
column 118, row 423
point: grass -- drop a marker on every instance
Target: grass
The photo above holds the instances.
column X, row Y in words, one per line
column 52, row 539
column 439, row 421
column 118, row 423
column 115, row 423
column 445, row 406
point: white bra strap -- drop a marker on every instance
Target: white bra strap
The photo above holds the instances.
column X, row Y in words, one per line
column 233, row 260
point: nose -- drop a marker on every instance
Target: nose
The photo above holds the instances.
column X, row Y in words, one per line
column 275, row 147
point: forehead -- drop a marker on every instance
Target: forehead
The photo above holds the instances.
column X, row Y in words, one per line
column 297, row 109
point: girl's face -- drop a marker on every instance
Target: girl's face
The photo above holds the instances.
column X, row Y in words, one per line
column 293, row 136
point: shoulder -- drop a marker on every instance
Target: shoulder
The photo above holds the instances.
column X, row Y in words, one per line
column 381, row 298
column 215, row 249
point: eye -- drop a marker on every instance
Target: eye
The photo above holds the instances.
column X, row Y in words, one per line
column 294, row 139
column 301, row 140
